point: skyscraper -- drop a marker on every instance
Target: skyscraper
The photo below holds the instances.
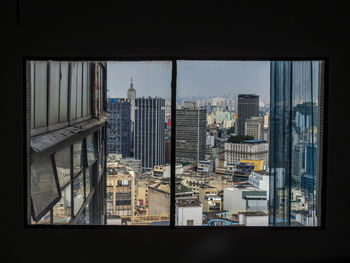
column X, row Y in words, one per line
column 248, row 106
column 294, row 124
column 190, row 133
column 254, row 126
column 118, row 137
column 149, row 131
column 131, row 98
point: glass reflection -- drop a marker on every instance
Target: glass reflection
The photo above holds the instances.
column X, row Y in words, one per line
column 91, row 149
column 77, row 158
column 63, row 163
column 78, row 192
column 63, row 209
column 43, row 185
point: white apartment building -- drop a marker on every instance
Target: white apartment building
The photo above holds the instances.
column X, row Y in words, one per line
column 249, row 149
column 188, row 212
column 261, row 180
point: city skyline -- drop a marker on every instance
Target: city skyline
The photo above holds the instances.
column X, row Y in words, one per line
column 194, row 78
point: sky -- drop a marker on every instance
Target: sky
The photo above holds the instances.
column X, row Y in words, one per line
column 204, row 78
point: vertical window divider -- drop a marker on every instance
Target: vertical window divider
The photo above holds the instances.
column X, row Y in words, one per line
column 71, row 183
column 173, row 142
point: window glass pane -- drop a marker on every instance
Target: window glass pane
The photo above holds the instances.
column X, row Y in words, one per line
column 139, row 107
column 87, row 214
column 89, row 89
column 85, row 88
column 78, row 192
column 88, row 181
column 79, row 89
column 91, row 149
column 63, row 163
column 77, row 157
column 44, row 220
column 63, row 209
column 40, row 93
column 54, row 91
column 64, row 91
column 32, row 88
column 43, row 185
column 73, row 90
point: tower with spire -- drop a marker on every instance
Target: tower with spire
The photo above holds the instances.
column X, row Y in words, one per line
column 131, row 91
column 131, row 98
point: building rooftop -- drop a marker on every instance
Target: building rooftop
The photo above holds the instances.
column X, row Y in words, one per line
column 187, row 202
column 253, row 213
column 254, row 141
column 262, row 172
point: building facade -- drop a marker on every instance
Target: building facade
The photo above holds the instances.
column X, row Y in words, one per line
column 119, row 132
column 149, row 132
column 190, row 134
column 254, row 126
column 296, row 97
column 249, row 149
column 248, row 106
column 66, row 142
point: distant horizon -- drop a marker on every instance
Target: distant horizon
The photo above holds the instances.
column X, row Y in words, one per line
column 197, row 79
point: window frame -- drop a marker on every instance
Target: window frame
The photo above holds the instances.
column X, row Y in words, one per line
column 323, row 125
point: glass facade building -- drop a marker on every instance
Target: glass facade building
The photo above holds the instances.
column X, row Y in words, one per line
column 119, row 134
column 295, row 133
column 66, row 142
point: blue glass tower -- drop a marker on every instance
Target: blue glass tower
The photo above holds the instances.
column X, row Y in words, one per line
column 294, row 131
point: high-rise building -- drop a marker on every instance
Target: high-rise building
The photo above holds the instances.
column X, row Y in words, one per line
column 294, row 150
column 149, row 131
column 131, row 98
column 248, row 106
column 66, row 142
column 190, row 133
column 119, row 133
column 254, row 126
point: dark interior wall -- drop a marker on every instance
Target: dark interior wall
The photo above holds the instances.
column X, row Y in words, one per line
column 97, row 29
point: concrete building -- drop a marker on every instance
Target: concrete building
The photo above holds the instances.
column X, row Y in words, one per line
column 190, row 133
column 132, row 163
column 161, row 171
column 158, row 201
column 248, row 106
column 188, row 212
column 149, row 132
column 257, row 218
column 205, row 167
column 254, row 126
column 120, row 191
column 244, row 197
column 119, row 133
column 248, row 149
column 260, row 179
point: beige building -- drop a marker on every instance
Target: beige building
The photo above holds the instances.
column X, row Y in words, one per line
column 120, row 191
column 254, row 126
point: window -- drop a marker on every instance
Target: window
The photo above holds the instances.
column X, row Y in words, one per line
column 249, row 130
column 63, row 164
column 190, row 222
column 78, row 192
column 44, row 187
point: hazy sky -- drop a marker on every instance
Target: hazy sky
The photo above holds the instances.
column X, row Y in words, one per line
column 205, row 78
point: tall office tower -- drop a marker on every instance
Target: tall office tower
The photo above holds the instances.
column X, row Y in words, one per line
column 294, row 122
column 254, row 126
column 190, row 133
column 248, row 106
column 119, row 139
column 131, row 98
column 149, row 131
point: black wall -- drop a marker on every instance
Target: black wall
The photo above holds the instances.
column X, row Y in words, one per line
column 98, row 29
